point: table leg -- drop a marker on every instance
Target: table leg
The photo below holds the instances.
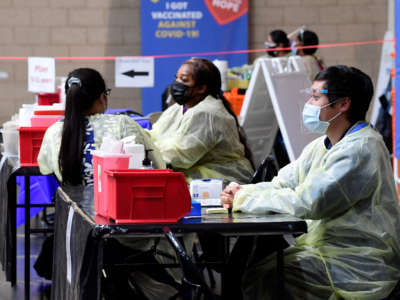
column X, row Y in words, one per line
column 27, row 237
column 12, row 196
column 224, row 284
column 100, row 267
column 280, row 273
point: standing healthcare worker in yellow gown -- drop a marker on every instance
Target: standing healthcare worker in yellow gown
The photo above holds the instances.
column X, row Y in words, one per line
column 199, row 135
column 343, row 184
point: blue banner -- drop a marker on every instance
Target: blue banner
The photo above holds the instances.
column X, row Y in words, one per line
column 192, row 26
column 397, row 80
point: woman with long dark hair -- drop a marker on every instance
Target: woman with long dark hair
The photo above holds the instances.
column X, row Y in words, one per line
column 200, row 135
column 67, row 144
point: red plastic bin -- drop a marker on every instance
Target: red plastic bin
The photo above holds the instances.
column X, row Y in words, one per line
column 49, row 98
column 147, row 196
column 44, row 121
column 57, row 112
column 30, row 140
column 101, row 162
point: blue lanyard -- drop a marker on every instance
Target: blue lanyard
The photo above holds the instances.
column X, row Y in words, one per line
column 357, row 128
column 360, row 126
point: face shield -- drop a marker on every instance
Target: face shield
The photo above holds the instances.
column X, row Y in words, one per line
column 309, row 113
column 269, row 45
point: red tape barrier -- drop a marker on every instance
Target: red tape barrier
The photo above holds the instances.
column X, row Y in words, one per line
column 197, row 54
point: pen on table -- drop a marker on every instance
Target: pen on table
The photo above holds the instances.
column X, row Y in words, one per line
column 232, row 184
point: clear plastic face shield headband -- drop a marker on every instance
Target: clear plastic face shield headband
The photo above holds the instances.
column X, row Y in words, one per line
column 311, row 121
column 269, row 45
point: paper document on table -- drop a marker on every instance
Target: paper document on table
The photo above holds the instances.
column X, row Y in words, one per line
column 217, row 210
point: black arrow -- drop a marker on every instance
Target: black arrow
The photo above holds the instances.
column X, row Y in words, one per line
column 132, row 73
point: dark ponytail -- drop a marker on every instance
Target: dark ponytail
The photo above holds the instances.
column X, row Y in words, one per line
column 206, row 73
column 242, row 136
column 82, row 88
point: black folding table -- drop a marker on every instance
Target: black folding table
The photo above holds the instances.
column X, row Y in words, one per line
column 80, row 236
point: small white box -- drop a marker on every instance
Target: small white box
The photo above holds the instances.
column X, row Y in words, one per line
column 206, row 191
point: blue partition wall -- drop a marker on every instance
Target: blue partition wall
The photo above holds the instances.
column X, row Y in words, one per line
column 397, row 81
column 181, row 27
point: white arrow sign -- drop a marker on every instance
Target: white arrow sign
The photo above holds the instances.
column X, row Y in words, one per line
column 134, row 72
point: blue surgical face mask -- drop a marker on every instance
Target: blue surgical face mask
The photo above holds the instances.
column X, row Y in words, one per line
column 311, row 118
column 293, row 49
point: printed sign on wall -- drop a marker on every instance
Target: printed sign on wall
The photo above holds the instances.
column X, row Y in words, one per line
column 184, row 27
column 134, row 72
column 41, row 74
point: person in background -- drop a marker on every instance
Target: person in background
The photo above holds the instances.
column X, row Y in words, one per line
column 67, row 144
column 313, row 63
column 166, row 99
column 343, row 185
column 276, row 39
column 199, row 135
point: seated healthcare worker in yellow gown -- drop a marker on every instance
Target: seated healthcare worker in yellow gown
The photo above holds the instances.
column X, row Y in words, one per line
column 82, row 130
column 343, row 184
column 67, row 144
column 199, row 135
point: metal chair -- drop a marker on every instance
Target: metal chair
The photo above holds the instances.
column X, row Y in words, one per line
column 153, row 117
column 266, row 171
column 248, row 249
column 193, row 284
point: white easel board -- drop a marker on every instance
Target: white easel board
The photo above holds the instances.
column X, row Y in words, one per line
column 276, row 97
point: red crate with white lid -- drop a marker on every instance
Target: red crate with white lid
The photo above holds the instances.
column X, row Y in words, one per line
column 147, row 196
column 138, row 195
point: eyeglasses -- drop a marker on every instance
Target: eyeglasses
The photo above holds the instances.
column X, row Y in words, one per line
column 107, row 92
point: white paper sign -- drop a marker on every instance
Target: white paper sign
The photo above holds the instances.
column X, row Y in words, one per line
column 68, row 243
column 134, row 72
column 41, row 74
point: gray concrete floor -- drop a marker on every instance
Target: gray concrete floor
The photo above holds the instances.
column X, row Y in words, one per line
column 39, row 287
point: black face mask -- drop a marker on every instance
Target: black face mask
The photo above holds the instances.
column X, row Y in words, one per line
column 272, row 53
column 178, row 92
